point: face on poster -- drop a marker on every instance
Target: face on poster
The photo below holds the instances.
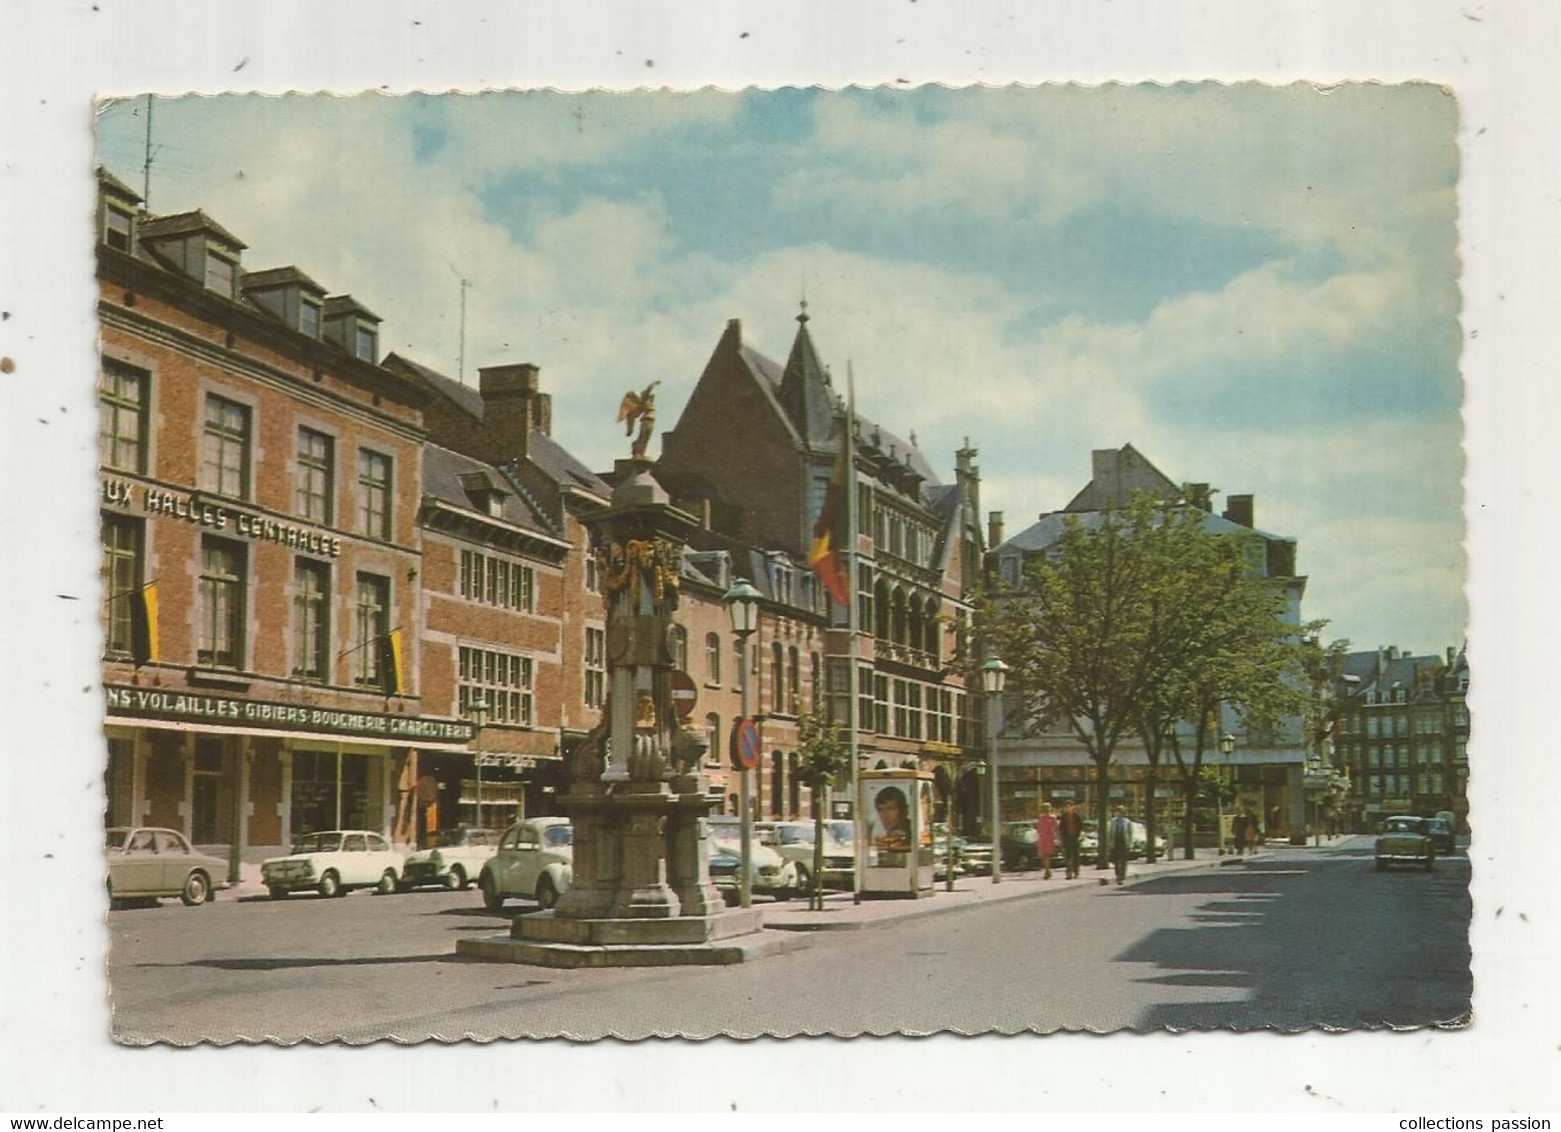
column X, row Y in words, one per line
column 889, row 820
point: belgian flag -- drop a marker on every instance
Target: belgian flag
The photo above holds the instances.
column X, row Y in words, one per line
column 143, row 624
column 390, row 663
column 827, row 556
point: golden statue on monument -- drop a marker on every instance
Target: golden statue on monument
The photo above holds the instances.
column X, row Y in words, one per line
column 640, row 407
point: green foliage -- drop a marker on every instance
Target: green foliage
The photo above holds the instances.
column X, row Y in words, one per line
column 823, row 758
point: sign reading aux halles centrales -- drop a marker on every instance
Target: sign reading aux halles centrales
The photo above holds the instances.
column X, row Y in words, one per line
column 176, row 505
column 198, row 707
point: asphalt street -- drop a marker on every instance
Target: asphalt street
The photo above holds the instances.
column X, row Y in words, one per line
column 1302, row 938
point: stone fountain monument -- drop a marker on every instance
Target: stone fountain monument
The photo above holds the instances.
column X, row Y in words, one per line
column 637, row 800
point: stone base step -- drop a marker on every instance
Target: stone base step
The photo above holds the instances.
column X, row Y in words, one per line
column 738, row 949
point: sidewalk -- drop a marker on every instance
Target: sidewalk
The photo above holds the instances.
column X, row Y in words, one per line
column 842, row 914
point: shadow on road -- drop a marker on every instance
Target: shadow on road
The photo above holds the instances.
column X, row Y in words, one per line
column 1333, row 944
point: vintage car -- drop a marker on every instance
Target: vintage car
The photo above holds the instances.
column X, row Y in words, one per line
column 1405, row 840
column 534, row 861
column 1441, row 834
column 793, row 840
column 333, row 863
column 1021, row 845
column 975, row 857
column 454, row 860
column 770, row 874
column 145, row 863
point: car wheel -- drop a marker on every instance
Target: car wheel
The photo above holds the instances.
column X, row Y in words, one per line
column 197, row 889
column 804, row 883
column 403, row 886
column 491, row 900
column 276, row 892
column 329, row 886
column 387, row 883
column 455, row 879
column 547, row 893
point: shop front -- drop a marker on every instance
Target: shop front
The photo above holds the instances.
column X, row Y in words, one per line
column 242, row 777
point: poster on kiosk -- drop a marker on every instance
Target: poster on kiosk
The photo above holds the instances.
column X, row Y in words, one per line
column 897, row 808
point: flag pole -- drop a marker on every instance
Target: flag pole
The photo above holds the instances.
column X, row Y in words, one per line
column 853, row 623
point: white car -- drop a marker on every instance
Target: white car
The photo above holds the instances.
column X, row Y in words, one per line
column 769, row 873
column 535, row 861
column 333, row 863
column 793, row 840
column 455, row 861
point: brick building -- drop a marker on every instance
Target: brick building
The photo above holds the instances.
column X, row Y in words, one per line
column 261, row 549
column 752, row 455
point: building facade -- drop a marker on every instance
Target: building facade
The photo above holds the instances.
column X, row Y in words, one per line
column 1266, row 768
column 261, row 552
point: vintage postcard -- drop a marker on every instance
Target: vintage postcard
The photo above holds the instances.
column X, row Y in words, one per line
column 777, row 562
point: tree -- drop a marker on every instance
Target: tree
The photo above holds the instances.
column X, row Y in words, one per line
column 822, row 759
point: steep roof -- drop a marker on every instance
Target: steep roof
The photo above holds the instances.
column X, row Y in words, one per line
column 464, row 397
column 1046, row 531
column 446, row 474
column 804, row 390
column 186, row 224
column 556, row 462
column 1132, row 471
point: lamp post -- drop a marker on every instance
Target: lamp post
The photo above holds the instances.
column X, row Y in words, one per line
column 994, row 673
column 478, row 706
column 1227, row 745
column 742, row 606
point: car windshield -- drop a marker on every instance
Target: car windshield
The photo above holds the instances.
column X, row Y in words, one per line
column 842, row 830
column 470, row 837
column 795, row 834
column 1404, row 825
column 318, row 843
column 555, row 836
column 115, row 838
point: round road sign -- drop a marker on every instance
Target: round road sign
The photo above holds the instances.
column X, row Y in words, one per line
column 745, row 744
column 683, row 694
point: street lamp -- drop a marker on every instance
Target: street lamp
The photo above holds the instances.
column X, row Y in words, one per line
column 478, row 706
column 994, row 673
column 742, row 606
column 1227, row 745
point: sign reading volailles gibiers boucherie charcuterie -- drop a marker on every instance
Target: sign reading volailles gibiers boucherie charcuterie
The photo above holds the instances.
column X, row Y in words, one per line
column 200, row 707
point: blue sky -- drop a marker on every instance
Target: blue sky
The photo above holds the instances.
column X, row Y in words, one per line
column 1255, row 286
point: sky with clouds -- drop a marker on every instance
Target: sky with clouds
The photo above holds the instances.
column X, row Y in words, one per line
column 1257, row 287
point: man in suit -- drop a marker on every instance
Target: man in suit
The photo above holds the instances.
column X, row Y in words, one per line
column 1119, row 842
column 1071, row 827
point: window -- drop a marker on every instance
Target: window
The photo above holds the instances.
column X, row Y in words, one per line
column 913, row 709
column 1374, row 756
column 117, row 228
column 311, row 620
column 1373, row 726
column 373, row 625
column 901, row 723
column 219, row 274
column 713, row 657
column 503, row 679
column 595, row 667
column 122, row 417
column 593, row 579
column 316, row 460
column 880, row 704
column 864, row 594
column 221, row 603
column 793, row 682
column 225, row 448
column 816, row 682
column 309, row 317
column 365, row 343
column 777, row 679
column 374, row 494
column 121, row 581
column 497, row 581
column 713, row 737
column 678, row 642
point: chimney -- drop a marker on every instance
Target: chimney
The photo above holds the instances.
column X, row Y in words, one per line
column 1238, row 509
column 1392, row 652
column 994, row 529
column 513, row 405
column 1452, row 656
column 1198, row 495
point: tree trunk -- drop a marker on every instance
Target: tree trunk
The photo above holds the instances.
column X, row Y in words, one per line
column 816, row 895
column 1149, row 807
column 1103, row 807
column 1191, row 787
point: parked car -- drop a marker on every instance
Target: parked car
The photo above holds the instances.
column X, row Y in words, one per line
column 1441, row 835
column 333, row 863
column 1405, row 840
column 975, row 857
column 770, row 874
column 793, row 840
column 1141, row 840
column 534, row 861
column 1021, row 845
column 146, row 863
column 455, row 860
column 941, row 853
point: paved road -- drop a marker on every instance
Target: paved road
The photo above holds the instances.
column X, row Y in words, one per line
column 1306, row 937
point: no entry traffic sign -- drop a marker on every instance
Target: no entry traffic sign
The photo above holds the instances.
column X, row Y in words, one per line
column 745, row 744
column 683, row 694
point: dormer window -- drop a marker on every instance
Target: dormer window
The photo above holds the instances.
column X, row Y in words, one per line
column 309, row 317
column 219, row 273
column 366, row 343
column 350, row 325
column 117, row 228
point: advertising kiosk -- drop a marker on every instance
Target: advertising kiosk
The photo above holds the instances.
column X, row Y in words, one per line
column 897, row 819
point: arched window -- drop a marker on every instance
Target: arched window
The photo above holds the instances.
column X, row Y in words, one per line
column 713, row 657
column 777, row 784
column 795, row 785
column 678, row 639
column 932, row 629
column 777, row 678
column 913, row 623
column 816, row 683
column 897, row 617
column 793, row 681
column 881, row 610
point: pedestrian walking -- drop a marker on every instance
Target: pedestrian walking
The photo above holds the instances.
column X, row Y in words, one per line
column 1071, row 828
column 1253, row 835
column 1238, row 832
column 1046, row 838
column 1120, row 842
